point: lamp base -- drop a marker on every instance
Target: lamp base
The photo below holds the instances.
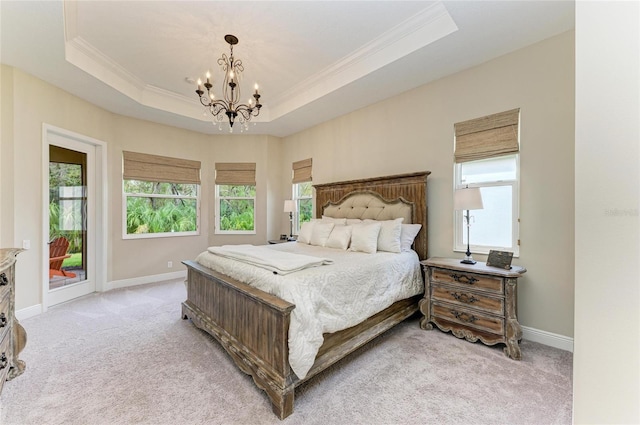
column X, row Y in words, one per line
column 468, row 259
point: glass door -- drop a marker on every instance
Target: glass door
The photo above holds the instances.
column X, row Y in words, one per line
column 67, row 217
column 71, row 214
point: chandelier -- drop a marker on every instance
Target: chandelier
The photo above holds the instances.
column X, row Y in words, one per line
column 230, row 104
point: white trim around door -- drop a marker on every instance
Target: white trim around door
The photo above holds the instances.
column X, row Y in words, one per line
column 97, row 223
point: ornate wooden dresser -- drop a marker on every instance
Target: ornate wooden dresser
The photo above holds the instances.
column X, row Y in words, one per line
column 474, row 302
column 13, row 337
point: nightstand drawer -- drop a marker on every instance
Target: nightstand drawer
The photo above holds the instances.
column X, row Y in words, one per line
column 468, row 280
column 470, row 318
column 455, row 295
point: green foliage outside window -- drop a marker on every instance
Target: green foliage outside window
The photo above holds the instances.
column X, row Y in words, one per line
column 237, row 207
column 171, row 208
column 303, row 194
column 63, row 175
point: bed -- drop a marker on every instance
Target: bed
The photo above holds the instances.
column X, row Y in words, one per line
column 253, row 325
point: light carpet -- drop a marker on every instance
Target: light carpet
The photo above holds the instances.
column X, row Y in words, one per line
column 127, row 357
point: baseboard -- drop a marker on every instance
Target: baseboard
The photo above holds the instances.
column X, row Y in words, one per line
column 547, row 338
column 125, row 283
column 37, row 309
column 25, row 313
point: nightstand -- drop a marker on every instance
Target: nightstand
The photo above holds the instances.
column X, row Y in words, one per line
column 275, row 241
column 472, row 301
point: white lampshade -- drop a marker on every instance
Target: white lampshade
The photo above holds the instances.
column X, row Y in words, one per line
column 467, row 199
column 289, row 206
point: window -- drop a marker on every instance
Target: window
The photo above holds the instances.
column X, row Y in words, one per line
column 496, row 225
column 302, row 192
column 235, row 198
column 160, row 196
column 487, row 156
column 302, row 196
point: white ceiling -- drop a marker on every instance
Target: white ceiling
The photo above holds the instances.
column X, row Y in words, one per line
column 314, row 60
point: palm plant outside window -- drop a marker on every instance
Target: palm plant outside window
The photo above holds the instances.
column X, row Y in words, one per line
column 160, row 208
column 302, row 195
column 235, row 208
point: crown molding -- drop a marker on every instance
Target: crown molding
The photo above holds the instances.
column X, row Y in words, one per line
column 422, row 29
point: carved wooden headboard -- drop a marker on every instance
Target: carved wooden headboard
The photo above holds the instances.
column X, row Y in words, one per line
column 411, row 188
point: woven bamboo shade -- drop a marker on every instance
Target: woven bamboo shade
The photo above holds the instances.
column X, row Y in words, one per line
column 302, row 171
column 155, row 168
column 487, row 137
column 237, row 173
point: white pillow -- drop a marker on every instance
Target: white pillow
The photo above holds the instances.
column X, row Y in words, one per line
column 305, row 231
column 340, row 237
column 334, row 220
column 389, row 237
column 364, row 237
column 408, row 234
column 320, row 233
column 352, row 221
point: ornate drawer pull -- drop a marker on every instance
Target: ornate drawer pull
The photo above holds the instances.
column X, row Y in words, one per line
column 461, row 278
column 3, row 279
column 464, row 298
column 3, row 361
column 465, row 317
column 3, row 320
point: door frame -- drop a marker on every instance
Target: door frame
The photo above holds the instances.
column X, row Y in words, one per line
column 97, row 240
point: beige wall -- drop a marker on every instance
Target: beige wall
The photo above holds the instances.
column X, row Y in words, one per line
column 607, row 316
column 28, row 102
column 6, row 154
column 410, row 132
column 414, row 132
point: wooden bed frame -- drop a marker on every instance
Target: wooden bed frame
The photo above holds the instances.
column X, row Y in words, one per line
column 253, row 326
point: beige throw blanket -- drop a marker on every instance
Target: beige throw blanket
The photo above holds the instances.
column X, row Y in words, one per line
column 262, row 256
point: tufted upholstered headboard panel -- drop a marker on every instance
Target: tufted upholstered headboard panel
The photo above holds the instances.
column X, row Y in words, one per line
column 402, row 191
column 369, row 205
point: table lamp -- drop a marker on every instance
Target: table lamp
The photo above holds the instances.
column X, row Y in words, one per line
column 290, row 207
column 468, row 198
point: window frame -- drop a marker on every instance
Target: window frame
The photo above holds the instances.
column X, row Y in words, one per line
column 218, row 200
column 126, row 195
column 296, row 199
column 459, row 226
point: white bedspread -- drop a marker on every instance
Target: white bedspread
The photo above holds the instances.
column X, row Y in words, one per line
column 331, row 297
column 262, row 256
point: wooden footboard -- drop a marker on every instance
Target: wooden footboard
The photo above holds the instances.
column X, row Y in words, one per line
column 253, row 327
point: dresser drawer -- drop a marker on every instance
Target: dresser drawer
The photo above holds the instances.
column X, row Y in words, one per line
column 4, row 358
column 468, row 280
column 5, row 282
column 468, row 317
column 457, row 295
column 4, row 316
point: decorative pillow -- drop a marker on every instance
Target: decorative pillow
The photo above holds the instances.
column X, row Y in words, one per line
column 352, row 221
column 334, row 220
column 389, row 237
column 320, row 233
column 364, row 237
column 340, row 237
column 408, row 234
column 305, row 231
